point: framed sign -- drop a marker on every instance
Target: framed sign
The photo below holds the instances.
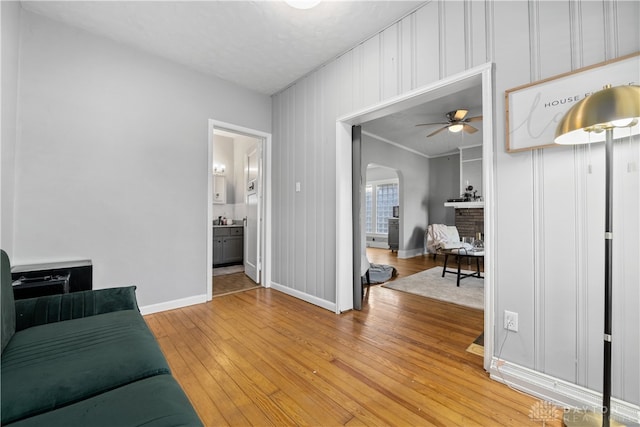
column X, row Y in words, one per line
column 534, row 110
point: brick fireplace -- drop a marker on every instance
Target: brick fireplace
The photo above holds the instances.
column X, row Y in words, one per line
column 470, row 221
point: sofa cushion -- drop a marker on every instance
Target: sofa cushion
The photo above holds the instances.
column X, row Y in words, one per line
column 153, row 402
column 53, row 365
column 55, row 308
column 6, row 299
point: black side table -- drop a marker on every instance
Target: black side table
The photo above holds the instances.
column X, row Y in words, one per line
column 34, row 280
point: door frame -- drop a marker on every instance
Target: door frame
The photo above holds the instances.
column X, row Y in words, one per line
column 265, row 211
column 345, row 220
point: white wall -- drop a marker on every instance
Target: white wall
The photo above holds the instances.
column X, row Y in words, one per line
column 548, row 210
column 10, row 12
column 303, row 241
column 378, row 173
column 112, row 162
column 413, row 174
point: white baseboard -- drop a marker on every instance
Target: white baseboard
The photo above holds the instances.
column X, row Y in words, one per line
column 410, row 253
column 560, row 392
column 171, row 305
column 331, row 306
column 377, row 244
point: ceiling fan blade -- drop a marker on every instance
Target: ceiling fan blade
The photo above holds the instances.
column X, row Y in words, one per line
column 474, row 119
column 460, row 114
column 430, row 124
column 469, row 129
column 438, row 131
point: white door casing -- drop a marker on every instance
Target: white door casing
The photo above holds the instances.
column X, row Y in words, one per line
column 264, row 210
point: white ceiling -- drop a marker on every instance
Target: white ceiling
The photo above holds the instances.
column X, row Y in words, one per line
column 265, row 46
column 261, row 45
column 400, row 128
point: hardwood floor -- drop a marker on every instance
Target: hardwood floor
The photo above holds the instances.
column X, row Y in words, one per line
column 239, row 282
column 262, row 357
column 405, row 267
column 231, row 283
column 409, row 266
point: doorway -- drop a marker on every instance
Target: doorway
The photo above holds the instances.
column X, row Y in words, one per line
column 346, row 262
column 238, row 208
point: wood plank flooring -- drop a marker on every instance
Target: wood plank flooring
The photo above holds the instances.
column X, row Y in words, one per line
column 261, row 358
column 409, row 266
column 406, row 266
column 231, row 283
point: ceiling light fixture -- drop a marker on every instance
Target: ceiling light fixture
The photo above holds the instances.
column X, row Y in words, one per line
column 303, row 4
column 457, row 121
column 456, row 128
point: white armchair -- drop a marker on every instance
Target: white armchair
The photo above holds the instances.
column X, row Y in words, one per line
column 441, row 236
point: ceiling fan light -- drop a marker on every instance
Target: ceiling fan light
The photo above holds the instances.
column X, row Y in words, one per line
column 456, row 128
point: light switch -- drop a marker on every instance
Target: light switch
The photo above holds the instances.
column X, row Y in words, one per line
column 297, row 187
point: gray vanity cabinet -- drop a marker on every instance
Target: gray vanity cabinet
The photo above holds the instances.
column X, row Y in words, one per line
column 228, row 245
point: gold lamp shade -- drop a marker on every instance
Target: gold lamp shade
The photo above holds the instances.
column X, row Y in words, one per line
column 616, row 108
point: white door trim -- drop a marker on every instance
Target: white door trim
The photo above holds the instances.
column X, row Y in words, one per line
column 265, row 230
column 344, row 218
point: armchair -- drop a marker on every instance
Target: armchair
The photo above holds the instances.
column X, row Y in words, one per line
column 441, row 236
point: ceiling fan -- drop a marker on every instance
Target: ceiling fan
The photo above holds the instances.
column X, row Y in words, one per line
column 456, row 122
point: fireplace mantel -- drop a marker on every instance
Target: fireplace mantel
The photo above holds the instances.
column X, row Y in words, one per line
column 464, row 205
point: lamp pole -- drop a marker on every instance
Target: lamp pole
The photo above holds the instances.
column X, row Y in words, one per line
column 608, row 269
column 605, row 110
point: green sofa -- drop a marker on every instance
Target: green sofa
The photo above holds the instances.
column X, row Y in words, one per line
column 84, row 359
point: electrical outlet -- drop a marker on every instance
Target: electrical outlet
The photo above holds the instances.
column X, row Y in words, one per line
column 511, row 321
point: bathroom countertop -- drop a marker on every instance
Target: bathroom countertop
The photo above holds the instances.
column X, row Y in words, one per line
column 229, row 225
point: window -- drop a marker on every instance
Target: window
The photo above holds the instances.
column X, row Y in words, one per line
column 368, row 202
column 380, row 198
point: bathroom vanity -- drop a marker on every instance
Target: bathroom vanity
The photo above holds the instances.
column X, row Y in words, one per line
column 228, row 244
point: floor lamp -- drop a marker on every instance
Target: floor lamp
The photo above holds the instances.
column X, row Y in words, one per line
column 611, row 113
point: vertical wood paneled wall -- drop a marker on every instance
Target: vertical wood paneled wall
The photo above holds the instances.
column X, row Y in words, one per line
column 549, row 209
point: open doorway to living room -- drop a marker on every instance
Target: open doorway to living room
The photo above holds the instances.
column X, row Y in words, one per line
column 422, row 197
column 478, row 80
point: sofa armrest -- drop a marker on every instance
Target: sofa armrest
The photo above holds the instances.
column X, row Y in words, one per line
column 55, row 308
